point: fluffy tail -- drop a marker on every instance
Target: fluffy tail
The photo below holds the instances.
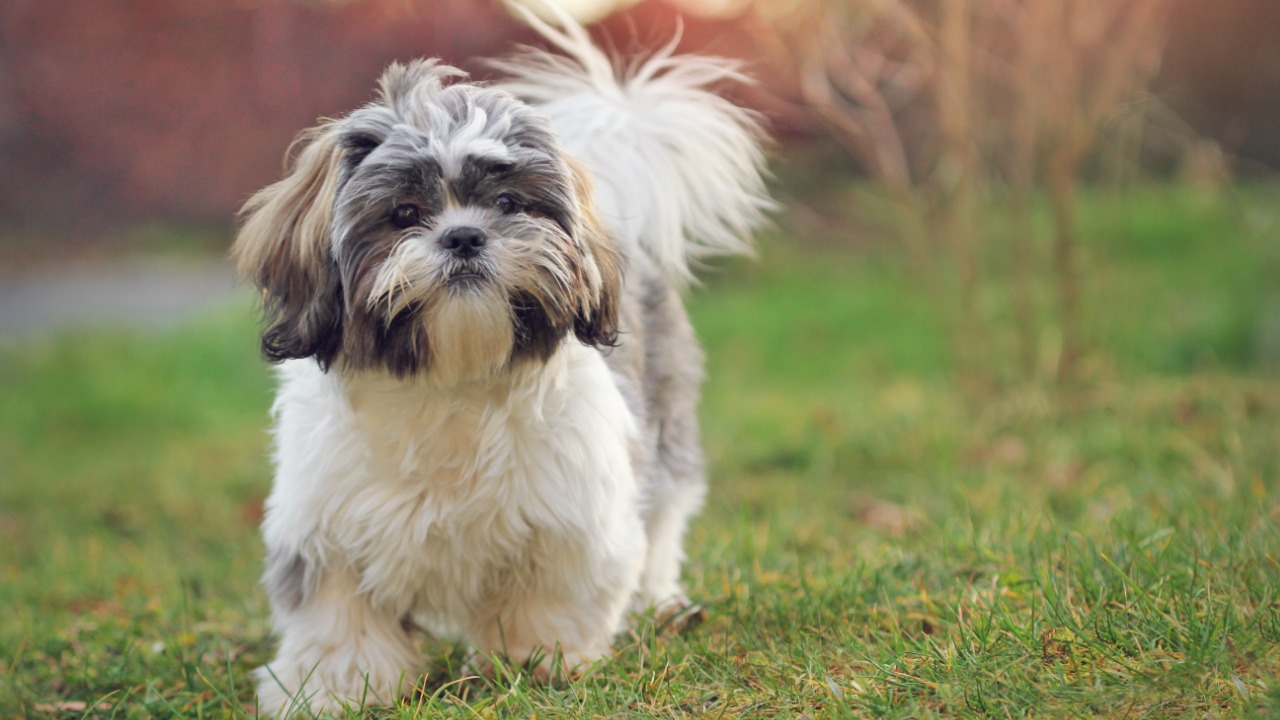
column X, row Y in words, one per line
column 678, row 169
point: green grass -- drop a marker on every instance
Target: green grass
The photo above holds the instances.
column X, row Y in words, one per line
column 878, row 542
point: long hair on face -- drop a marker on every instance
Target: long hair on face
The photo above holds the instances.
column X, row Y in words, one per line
column 346, row 249
column 283, row 248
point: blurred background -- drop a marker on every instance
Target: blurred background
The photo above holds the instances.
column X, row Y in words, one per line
column 121, row 112
column 135, row 127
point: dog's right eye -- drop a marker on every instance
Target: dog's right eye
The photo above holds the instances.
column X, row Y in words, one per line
column 406, row 216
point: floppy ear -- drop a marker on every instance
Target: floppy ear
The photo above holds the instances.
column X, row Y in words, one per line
column 283, row 248
column 595, row 319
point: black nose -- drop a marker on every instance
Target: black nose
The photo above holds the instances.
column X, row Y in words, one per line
column 463, row 241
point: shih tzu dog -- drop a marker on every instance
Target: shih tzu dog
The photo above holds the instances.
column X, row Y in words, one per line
column 485, row 425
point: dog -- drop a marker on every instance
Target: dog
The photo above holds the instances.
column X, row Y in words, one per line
column 486, row 424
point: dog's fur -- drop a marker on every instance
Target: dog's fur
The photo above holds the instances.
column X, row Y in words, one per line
column 486, row 423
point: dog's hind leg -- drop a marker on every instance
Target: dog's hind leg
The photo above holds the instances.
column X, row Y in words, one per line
column 660, row 592
column 676, row 476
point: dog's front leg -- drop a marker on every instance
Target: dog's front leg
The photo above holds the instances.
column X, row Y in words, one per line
column 565, row 612
column 336, row 649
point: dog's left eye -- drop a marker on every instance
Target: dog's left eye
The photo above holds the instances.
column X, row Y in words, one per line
column 406, row 216
column 507, row 203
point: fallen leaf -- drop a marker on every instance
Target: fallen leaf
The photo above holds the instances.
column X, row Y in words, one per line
column 890, row 518
column 1008, row 452
column 69, row 706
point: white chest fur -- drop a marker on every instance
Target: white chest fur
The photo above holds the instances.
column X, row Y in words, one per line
column 440, row 499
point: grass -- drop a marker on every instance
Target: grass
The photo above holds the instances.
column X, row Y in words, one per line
column 878, row 542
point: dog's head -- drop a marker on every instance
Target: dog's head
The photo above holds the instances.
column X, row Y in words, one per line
column 441, row 229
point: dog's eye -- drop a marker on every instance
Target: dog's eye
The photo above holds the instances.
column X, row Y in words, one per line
column 507, row 203
column 406, row 216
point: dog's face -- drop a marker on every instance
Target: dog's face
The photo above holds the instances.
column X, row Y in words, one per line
column 439, row 230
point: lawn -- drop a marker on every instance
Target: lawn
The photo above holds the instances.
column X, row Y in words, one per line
column 881, row 539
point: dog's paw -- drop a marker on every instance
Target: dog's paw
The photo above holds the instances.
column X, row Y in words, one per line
column 276, row 700
column 539, row 667
column 311, row 694
column 676, row 615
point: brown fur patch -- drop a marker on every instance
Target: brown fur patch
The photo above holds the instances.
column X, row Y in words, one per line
column 596, row 321
column 282, row 247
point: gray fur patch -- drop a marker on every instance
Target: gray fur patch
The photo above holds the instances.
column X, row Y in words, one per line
column 288, row 580
column 659, row 367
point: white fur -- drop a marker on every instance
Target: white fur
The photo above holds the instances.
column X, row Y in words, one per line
column 678, row 169
column 531, row 487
